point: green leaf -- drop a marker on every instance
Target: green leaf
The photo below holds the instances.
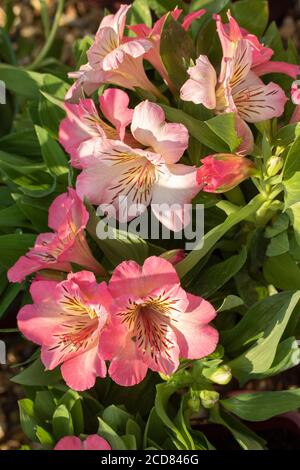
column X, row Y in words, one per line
column 139, row 13
column 35, row 375
column 80, row 49
column 278, row 245
column 62, row 423
column 217, row 275
column 134, row 429
column 261, row 406
column 73, row 402
column 22, row 142
column 292, row 161
column 163, row 395
column 294, row 215
column 287, row 134
column 8, row 297
column 292, row 190
column 214, row 235
column 268, row 322
column 282, row 272
column 280, row 225
column 218, row 133
column 257, row 21
column 124, row 245
column 176, row 51
column 13, row 246
column 116, row 418
column 44, row 404
column 211, row 6
column 44, row 437
column 287, row 356
column 161, row 7
column 110, row 435
column 54, row 156
column 28, row 419
column 12, row 217
column 230, row 302
column 20, row 81
column 246, row 438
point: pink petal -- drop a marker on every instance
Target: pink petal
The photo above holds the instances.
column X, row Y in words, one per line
column 80, row 372
column 95, row 442
column 195, row 338
column 172, row 196
column 258, row 102
column 127, row 369
column 191, row 17
column 65, row 207
column 114, row 105
column 81, row 123
column 69, row 443
column 130, row 279
column 149, row 127
column 244, row 132
column 291, row 70
column 201, row 87
column 36, row 323
column 117, row 21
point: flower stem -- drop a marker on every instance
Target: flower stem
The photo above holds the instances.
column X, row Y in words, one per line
column 44, row 51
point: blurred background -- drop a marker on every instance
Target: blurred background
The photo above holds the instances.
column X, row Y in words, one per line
column 82, row 17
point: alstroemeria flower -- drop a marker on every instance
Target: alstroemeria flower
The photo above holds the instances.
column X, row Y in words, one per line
column 231, row 33
column 222, row 172
column 113, row 59
column 67, row 319
column 154, row 322
column 113, row 171
column 92, row 442
column 295, row 95
column 66, row 244
column 83, row 121
column 154, row 35
column 237, row 90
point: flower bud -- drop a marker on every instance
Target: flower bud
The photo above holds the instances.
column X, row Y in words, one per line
column 209, row 398
column 274, row 165
column 174, row 256
column 222, row 375
column 194, row 404
column 223, row 172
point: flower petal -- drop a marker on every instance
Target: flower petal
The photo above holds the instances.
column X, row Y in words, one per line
column 256, row 101
column 150, row 128
column 95, row 442
column 88, row 366
column 114, row 105
column 201, row 87
column 172, row 196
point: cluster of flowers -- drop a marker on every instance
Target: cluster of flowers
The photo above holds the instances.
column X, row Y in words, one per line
column 142, row 318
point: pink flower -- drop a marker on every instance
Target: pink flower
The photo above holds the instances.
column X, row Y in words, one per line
column 116, row 173
column 67, row 319
column 154, row 322
column 92, row 442
column 237, row 90
column 113, row 59
column 295, row 94
column 231, row 33
column 83, row 121
column 154, row 35
column 67, row 218
column 222, row 172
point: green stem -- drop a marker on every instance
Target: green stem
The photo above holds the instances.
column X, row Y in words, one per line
column 44, row 51
column 236, row 196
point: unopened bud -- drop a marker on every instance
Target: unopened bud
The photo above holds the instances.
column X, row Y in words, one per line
column 194, row 404
column 209, row 398
column 222, row 375
column 274, row 166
